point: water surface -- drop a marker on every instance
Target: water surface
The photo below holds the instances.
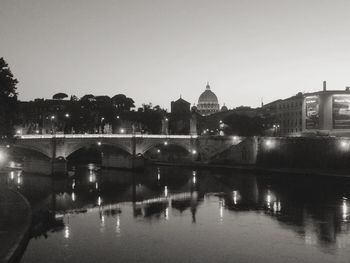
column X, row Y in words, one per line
column 168, row 214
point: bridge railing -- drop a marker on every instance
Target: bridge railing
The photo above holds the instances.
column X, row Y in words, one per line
column 96, row 136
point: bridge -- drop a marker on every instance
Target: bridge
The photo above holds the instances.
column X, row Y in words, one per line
column 133, row 146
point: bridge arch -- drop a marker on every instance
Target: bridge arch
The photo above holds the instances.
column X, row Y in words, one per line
column 147, row 145
column 70, row 147
column 100, row 146
column 162, row 146
column 42, row 151
column 170, row 152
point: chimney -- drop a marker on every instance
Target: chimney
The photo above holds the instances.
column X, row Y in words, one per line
column 324, row 85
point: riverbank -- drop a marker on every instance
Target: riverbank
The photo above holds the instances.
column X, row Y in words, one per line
column 15, row 221
column 265, row 170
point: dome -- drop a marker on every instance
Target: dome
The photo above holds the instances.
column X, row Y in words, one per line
column 208, row 102
column 208, row 96
column 224, row 108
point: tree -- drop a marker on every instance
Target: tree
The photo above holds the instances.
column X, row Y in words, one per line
column 123, row 103
column 243, row 125
column 60, row 96
column 88, row 97
column 8, row 101
column 151, row 118
column 73, row 98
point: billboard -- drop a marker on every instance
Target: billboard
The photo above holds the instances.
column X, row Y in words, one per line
column 312, row 118
column 341, row 111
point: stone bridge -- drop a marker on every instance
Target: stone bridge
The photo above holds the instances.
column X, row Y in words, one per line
column 61, row 146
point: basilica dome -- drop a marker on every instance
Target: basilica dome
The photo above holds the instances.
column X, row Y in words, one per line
column 208, row 102
column 207, row 96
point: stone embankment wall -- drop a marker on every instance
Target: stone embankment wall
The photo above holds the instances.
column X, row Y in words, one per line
column 302, row 152
column 244, row 153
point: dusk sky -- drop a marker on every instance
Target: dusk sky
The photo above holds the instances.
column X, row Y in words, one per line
column 153, row 51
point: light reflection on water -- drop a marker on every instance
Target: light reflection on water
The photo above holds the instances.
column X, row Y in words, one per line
column 183, row 215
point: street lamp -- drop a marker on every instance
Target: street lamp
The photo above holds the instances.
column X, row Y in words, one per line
column 101, row 126
column 67, row 115
column 275, row 127
column 52, row 118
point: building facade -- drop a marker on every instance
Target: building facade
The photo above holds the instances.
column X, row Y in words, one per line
column 180, row 117
column 325, row 112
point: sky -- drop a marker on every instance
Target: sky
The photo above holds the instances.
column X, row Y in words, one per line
column 156, row 50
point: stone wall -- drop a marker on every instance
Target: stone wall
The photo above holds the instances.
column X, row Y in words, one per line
column 301, row 152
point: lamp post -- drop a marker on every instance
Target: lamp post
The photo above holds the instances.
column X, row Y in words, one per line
column 53, row 143
column 52, row 118
column 101, row 124
column 67, row 115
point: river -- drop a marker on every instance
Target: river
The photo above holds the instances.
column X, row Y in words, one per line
column 172, row 214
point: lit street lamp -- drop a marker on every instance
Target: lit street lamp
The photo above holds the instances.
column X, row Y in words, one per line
column 52, row 118
column 275, row 127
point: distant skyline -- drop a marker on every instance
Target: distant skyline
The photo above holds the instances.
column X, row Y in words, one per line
column 155, row 50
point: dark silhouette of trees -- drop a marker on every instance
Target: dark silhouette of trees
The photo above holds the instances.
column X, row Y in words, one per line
column 243, row 125
column 8, row 101
column 88, row 97
column 151, row 118
column 74, row 98
column 60, row 96
column 123, row 103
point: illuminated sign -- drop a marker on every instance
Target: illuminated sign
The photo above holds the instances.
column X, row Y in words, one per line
column 312, row 117
column 341, row 111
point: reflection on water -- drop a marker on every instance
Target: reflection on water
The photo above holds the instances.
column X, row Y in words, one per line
column 184, row 215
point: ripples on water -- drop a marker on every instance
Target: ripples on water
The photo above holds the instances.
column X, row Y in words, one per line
column 168, row 214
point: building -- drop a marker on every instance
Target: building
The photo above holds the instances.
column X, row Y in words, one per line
column 180, row 106
column 325, row 112
column 208, row 102
column 180, row 117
